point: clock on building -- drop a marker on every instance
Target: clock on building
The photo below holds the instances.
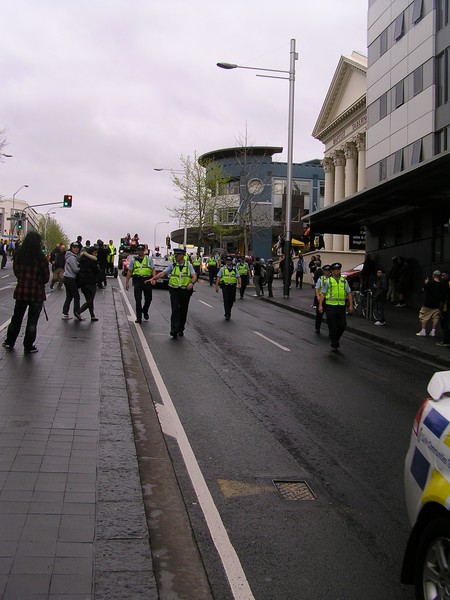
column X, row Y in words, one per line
column 255, row 186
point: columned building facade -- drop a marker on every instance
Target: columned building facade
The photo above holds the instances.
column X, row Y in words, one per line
column 341, row 126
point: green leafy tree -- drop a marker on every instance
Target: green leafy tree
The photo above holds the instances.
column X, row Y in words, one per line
column 52, row 233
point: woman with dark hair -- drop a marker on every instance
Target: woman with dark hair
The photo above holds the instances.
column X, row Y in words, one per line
column 32, row 271
column 87, row 280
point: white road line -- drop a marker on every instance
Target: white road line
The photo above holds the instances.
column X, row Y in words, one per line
column 5, row 276
column 208, row 305
column 171, row 425
column 7, row 287
column 272, row 342
column 5, row 325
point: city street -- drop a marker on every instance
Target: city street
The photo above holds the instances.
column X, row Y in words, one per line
column 261, row 399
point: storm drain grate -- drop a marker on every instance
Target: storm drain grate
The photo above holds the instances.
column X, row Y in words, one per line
column 294, row 490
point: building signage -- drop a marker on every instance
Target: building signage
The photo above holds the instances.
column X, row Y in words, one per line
column 353, row 127
column 358, row 241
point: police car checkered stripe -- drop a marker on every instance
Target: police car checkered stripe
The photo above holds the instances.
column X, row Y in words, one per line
column 436, row 423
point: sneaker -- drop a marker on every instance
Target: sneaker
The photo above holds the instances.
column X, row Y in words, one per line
column 6, row 345
column 380, row 323
column 66, row 317
column 31, row 350
column 443, row 344
column 255, row 296
column 399, row 305
column 421, row 334
column 79, row 317
column 146, row 316
column 432, row 333
column 181, row 333
column 94, row 318
column 138, row 321
column 174, row 334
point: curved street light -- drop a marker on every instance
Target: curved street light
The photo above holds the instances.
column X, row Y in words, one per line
column 291, row 79
column 154, row 233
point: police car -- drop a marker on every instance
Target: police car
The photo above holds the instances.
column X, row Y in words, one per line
column 426, row 563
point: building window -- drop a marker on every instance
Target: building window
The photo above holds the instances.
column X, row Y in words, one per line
column 442, row 14
column 383, row 106
column 399, row 96
column 418, row 80
column 383, row 42
column 417, row 11
column 416, row 157
column 441, row 141
column 278, row 215
column 227, row 216
column 398, row 162
column 231, row 187
column 398, row 27
column 382, row 165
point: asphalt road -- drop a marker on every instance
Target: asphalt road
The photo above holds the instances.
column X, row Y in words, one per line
column 261, row 398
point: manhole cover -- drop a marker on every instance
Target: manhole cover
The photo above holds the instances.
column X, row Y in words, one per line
column 294, row 490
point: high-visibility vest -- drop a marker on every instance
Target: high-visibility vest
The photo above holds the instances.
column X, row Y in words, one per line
column 112, row 250
column 180, row 276
column 212, row 262
column 336, row 294
column 196, row 262
column 142, row 269
column 243, row 268
column 229, row 277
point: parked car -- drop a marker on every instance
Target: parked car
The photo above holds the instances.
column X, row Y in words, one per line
column 426, row 563
column 353, row 276
column 161, row 263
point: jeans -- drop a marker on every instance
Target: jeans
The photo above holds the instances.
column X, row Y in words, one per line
column 89, row 295
column 34, row 310
column 72, row 293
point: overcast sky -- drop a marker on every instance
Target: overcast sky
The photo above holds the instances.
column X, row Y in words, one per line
column 95, row 94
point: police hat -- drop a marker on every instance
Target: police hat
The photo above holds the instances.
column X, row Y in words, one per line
column 178, row 251
column 326, row 268
column 336, row 265
column 228, row 258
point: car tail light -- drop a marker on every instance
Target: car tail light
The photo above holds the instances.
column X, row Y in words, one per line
column 418, row 418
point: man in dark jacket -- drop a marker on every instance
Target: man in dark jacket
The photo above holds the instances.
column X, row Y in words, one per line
column 87, row 278
column 433, row 296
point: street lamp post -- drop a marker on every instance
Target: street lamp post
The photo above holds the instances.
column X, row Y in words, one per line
column 13, row 213
column 47, row 218
column 154, row 233
column 291, row 78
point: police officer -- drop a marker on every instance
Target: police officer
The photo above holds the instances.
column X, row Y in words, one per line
column 244, row 271
column 336, row 293
column 141, row 268
column 110, row 260
column 196, row 263
column 181, row 285
column 228, row 278
column 212, row 269
column 325, row 273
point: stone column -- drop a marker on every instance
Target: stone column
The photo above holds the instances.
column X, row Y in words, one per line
column 351, row 154
column 339, row 191
column 361, row 145
column 328, row 167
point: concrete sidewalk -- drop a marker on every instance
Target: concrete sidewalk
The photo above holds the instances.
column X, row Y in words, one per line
column 72, row 520
column 400, row 330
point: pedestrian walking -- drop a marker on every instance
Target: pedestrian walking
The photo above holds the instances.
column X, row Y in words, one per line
column 71, row 269
column 228, row 279
column 3, row 252
column 300, row 270
column 87, row 281
column 32, row 271
column 244, row 271
column 270, row 274
column 141, row 268
column 181, row 286
column 58, row 260
column 380, row 289
column 102, row 259
column 433, row 296
column 257, row 275
column 338, row 298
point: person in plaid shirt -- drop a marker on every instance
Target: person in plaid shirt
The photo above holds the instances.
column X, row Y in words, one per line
column 32, row 271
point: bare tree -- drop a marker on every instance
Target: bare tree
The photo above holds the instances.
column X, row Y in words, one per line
column 199, row 184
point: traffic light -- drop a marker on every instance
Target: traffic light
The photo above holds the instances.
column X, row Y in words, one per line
column 67, row 202
column 19, row 224
column 168, row 241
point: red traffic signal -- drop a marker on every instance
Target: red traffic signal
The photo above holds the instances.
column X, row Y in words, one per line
column 67, row 202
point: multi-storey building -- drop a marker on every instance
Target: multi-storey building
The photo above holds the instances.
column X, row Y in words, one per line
column 405, row 208
column 254, row 199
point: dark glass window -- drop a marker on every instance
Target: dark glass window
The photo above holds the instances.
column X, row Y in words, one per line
column 399, row 96
column 382, row 169
column 417, row 11
column 418, row 80
column 398, row 27
column 383, row 42
column 383, row 106
column 277, row 215
column 398, row 161
column 442, row 14
column 442, row 78
column 416, row 157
